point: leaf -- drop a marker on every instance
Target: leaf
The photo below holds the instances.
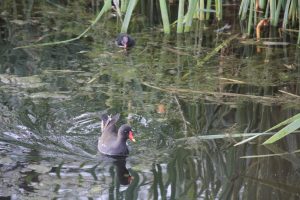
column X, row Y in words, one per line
column 288, row 121
column 130, row 8
column 247, row 140
column 285, row 131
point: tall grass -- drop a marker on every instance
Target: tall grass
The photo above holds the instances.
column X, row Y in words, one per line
column 196, row 9
column 219, row 9
column 130, row 8
column 165, row 17
column 287, row 11
column 299, row 22
column 189, row 16
column 192, row 10
column 106, row 7
column 180, row 16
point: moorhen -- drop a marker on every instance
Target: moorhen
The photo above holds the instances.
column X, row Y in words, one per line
column 112, row 142
column 125, row 41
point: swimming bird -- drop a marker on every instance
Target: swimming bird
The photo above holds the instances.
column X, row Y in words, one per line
column 125, row 41
column 112, row 141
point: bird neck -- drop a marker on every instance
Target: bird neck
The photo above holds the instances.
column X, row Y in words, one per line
column 121, row 136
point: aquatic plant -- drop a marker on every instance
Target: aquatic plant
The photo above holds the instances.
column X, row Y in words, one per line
column 256, row 14
column 290, row 126
column 282, row 14
column 195, row 10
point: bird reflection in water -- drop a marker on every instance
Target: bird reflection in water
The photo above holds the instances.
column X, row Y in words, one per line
column 123, row 174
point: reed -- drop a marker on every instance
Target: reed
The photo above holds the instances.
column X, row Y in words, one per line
column 129, row 11
column 180, row 16
column 299, row 22
column 286, row 10
column 165, row 17
column 189, row 16
column 243, row 9
column 202, row 8
column 219, row 12
column 106, row 7
column 208, row 8
column 286, row 14
column 272, row 12
column 262, row 4
column 277, row 12
column 250, row 18
column 124, row 4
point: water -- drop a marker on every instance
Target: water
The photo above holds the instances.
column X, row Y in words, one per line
column 52, row 98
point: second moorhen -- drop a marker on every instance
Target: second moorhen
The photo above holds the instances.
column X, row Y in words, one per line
column 112, row 142
column 125, row 41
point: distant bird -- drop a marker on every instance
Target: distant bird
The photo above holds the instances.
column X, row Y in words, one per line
column 125, row 41
column 112, row 141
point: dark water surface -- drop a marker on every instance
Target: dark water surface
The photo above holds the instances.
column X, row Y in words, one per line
column 166, row 88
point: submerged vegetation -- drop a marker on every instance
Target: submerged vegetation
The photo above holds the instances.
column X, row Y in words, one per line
column 190, row 18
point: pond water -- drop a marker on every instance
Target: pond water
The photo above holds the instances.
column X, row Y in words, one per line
column 175, row 91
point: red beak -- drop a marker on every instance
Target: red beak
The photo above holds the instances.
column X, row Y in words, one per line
column 130, row 136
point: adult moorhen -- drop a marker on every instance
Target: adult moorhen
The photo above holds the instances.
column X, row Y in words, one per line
column 125, row 41
column 112, row 142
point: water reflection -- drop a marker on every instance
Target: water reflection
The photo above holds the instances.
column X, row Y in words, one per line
column 193, row 169
column 123, row 174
